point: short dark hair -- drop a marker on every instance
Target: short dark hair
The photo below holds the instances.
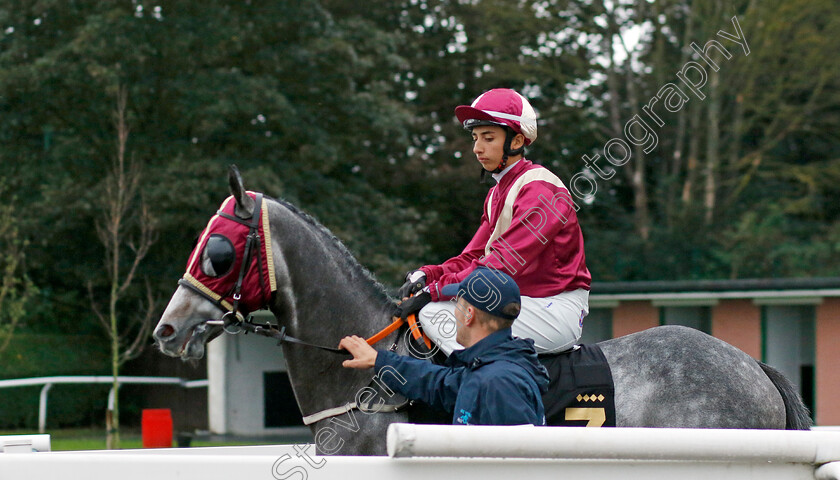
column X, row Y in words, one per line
column 512, row 309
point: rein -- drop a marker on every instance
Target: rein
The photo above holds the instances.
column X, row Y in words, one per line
column 269, row 330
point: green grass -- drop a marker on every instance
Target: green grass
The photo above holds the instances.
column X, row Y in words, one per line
column 83, row 438
column 94, row 439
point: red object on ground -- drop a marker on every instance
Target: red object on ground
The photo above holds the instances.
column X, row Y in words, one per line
column 157, row 428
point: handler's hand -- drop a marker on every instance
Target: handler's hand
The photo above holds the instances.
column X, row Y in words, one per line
column 364, row 356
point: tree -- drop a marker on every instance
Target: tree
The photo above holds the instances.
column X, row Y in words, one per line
column 348, row 113
column 284, row 88
column 127, row 339
column 16, row 289
column 728, row 152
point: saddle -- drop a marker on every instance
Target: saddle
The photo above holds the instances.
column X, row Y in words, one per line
column 581, row 392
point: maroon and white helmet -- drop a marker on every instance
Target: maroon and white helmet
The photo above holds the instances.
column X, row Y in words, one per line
column 503, row 107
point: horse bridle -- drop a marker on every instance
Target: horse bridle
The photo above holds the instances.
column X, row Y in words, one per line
column 234, row 322
column 233, row 319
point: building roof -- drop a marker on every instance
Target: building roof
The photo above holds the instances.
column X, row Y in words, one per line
column 708, row 292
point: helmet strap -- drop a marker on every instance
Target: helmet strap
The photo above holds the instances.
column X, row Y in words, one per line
column 509, row 136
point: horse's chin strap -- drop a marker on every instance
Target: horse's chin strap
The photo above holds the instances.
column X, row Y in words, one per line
column 226, row 320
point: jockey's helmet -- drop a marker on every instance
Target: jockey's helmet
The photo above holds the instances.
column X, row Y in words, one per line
column 501, row 107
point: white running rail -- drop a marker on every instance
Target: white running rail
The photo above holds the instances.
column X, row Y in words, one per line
column 475, row 453
column 48, row 382
column 655, row 444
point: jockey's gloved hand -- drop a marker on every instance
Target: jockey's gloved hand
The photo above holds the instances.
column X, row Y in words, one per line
column 413, row 304
column 415, row 280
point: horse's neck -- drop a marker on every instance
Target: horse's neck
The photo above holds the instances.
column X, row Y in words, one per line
column 328, row 289
column 322, row 297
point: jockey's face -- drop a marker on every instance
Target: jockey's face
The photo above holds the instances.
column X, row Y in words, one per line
column 489, row 146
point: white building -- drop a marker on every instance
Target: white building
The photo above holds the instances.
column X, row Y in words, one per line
column 247, row 374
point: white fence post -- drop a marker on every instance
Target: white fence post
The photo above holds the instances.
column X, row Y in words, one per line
column 110, row 399
column 42, row 408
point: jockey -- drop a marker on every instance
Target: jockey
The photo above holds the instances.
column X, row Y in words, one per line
column 529, row 230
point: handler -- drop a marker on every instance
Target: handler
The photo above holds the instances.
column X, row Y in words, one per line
column 495, row 380
column 528, row 229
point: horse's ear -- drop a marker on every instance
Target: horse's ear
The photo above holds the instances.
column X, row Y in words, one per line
column 244, row 202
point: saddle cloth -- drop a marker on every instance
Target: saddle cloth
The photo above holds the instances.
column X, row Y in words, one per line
column 581, row 392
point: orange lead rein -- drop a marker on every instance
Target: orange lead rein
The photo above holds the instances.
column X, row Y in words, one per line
column 386, row 331
column 416, row 332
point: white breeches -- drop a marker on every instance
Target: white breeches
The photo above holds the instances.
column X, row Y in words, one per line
column 554, row 323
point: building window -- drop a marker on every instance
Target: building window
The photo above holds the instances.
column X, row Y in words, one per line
column 788, row 338
column 597, row 326
column 279, row 402
column 695, row 317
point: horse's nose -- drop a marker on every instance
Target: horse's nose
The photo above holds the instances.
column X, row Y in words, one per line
column 164, row 332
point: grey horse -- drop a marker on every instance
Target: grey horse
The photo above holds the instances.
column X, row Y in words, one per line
column 664, row 377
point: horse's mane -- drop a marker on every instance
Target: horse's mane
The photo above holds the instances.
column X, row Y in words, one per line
column 374, row 286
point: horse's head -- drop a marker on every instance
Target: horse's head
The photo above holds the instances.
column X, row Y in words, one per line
column 229, row 274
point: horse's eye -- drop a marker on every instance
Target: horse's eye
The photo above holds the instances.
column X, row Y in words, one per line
column 218, row 256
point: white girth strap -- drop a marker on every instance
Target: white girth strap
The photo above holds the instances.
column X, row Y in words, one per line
column 334, row 412
column 506, row 215
column 330, row 412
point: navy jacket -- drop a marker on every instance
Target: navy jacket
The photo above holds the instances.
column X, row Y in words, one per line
column 497, row 381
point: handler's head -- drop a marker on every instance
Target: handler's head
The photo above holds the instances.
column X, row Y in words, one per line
column 494, row 294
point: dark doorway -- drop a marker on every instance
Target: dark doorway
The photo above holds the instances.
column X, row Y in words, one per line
column 281, row 408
